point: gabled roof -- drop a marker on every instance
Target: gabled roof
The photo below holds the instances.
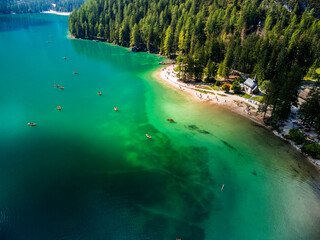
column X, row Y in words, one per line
column 251, row 83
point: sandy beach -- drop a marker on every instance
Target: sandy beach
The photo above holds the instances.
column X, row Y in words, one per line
column 57, row 13
column 235, row 103
column 245, row 107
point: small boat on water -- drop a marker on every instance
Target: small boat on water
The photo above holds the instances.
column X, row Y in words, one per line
column 57, row 86
column 61, row 87
column 99, row 93
column 222, row 187
column 75, row 72
column 59, row 108
column 64, row 58
column 148, row 136
column 32, row 124
column 170, row 120
column 116, row 109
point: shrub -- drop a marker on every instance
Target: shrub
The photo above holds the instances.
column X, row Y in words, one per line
column 265, row 85
column 209, row 80
column 296, row 135
column 312, row 149
column 225, row 87
column 236, row 88
column 274, row 124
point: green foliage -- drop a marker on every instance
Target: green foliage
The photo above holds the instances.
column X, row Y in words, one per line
column 168, row 42
column 310, row 109
column 235, row 87
column 246, row 96
column 225, row 67
column 35, row 6
column 217, row 83
column 296, row 135
column 225, row 87
column 313, row 71
column 265, row 86
column 312, row 149
column 257, row 98
column 215, row 37
column 67, row 5
column 135, row 36
column 210, row 71
column 31, row 6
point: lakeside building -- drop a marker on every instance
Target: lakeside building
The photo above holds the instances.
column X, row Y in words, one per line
column 250, row 86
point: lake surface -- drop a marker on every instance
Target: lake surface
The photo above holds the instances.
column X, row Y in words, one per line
column 88, row 172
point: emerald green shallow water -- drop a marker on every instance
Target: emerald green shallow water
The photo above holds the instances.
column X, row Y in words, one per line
column 87, row 172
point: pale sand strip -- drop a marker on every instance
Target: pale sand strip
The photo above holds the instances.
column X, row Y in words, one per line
column 57, row 13
column 233, row 102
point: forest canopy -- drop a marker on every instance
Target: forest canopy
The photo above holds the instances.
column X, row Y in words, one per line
column 35, row 6
column 277, row 41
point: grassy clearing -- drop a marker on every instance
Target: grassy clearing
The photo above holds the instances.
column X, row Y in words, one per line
column 318, row 70
column 205, row 92
column 206, row 87
column 201, row 91
column 216, row 88
column 247, row 96
column 257, row 98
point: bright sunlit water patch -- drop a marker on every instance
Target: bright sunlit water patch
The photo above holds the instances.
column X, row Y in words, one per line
column 88, row 172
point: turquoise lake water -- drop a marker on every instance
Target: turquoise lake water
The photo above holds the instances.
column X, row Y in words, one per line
column 88, row 172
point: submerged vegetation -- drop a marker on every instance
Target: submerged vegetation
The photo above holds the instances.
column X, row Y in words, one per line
column 278, row 41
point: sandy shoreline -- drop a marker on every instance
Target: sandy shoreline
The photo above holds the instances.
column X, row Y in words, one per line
column 57, row 13
column 232, row 102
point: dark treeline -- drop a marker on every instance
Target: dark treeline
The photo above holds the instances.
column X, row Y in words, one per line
column 212, row 37
column 27, row 6
column 68, row 5
column 35, row 6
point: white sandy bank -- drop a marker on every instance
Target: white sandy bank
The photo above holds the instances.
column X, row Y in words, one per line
column 57, row 13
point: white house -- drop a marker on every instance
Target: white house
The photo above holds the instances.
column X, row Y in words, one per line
column 250, row 86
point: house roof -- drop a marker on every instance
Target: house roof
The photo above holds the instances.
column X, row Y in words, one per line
column 251, row 83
